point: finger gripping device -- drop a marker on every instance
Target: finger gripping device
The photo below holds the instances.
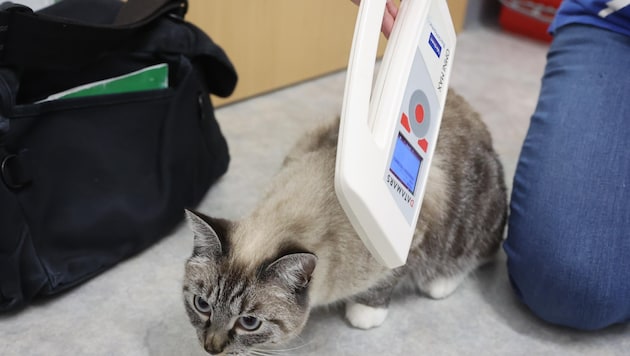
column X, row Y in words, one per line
column 388, row 134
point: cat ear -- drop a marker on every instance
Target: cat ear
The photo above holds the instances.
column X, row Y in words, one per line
column 293, row 270
column 207, row 240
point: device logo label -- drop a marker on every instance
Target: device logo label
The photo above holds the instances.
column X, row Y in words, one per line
column 447, row 54
column 402, row 192
column 435, row 45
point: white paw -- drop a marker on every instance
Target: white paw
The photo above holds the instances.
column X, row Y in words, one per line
column 443, row 287
column 364, row 317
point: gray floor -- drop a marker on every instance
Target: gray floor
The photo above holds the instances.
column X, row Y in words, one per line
column 136, row 308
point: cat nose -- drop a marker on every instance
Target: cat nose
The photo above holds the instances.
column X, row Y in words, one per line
column 212, row 350
column 214, row 345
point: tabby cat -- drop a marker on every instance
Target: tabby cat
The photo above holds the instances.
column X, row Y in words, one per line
column 252, row 283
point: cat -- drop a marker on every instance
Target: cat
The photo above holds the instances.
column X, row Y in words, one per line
column 252, row 283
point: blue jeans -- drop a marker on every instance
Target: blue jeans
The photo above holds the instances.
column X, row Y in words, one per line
column 568, row 242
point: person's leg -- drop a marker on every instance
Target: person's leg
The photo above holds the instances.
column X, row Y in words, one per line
column 568, row 242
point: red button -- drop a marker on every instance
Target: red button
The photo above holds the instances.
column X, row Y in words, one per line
column 423, row 144
column 404, row 120
column 419, row 113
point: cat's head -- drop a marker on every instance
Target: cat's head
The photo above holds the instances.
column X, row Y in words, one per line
column 236, row 307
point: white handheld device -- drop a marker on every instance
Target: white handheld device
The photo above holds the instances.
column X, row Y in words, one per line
column 387, row 135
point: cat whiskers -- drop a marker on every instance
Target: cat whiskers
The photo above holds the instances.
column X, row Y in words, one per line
column 273, row 352
column 259, row 353
column 265, row 352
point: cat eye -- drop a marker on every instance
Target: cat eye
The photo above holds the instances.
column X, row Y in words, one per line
column 201, row 305
column 249, row 323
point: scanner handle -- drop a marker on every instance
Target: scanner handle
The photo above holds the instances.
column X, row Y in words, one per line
column 360, row 72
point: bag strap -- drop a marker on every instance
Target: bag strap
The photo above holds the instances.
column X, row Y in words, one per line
column 137, row 13
column 37, row 40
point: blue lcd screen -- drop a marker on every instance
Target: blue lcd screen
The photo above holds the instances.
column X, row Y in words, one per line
column 405, row 163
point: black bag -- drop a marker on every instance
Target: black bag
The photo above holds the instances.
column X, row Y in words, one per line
column 87, row 182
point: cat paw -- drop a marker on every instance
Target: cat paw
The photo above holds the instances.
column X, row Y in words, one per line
column 362, row 316
column 442, row 287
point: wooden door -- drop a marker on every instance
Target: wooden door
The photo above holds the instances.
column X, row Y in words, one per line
column 276, row 43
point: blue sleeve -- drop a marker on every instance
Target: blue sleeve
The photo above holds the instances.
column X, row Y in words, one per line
column 611, row 15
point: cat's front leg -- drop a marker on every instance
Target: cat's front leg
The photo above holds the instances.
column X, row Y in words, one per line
column 369, row 309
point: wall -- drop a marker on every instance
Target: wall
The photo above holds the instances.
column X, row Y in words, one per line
column 275, row 43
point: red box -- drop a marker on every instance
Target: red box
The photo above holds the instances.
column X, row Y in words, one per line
column 528, row 17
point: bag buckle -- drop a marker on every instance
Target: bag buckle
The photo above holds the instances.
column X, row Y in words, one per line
column 14, row 173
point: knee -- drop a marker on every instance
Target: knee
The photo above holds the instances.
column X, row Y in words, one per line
column 569, row 285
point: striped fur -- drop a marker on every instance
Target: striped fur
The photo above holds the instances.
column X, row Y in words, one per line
column 297, row 250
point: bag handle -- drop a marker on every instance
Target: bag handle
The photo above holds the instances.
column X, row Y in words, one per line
column 37, row 40
column 137, row 13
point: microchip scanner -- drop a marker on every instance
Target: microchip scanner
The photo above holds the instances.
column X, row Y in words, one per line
column 388, row 134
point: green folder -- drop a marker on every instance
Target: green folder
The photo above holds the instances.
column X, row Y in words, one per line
column 149, row 78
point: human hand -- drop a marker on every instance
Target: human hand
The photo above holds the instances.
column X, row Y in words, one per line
column 391, row 10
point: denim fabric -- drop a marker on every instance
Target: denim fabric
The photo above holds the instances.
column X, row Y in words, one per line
column 568, row 242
